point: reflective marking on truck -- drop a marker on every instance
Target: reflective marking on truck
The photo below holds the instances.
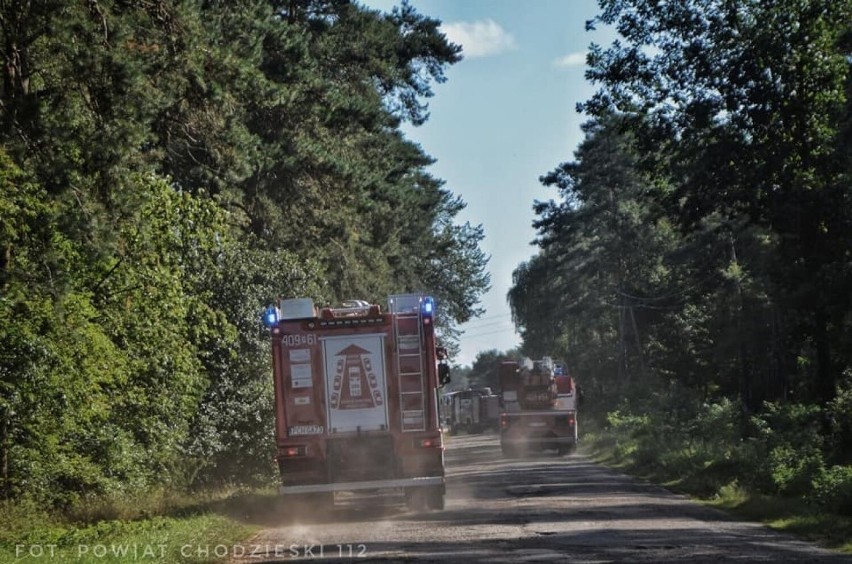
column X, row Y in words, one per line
column 306, row 430
column 409, row 342
column 300, row 356
column 412, row 418
column 301, row 376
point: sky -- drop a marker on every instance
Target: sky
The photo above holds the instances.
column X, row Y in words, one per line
column 505, row 117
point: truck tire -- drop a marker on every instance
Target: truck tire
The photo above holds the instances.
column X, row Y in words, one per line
column 509, row 451
column 566, row 449
column 415, row 499
column 435, row 499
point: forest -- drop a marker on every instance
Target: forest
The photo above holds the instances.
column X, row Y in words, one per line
column 695, row 270
column 168, row 169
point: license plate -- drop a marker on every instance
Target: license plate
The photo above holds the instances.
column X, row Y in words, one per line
column 306, row 430
column 537, row 424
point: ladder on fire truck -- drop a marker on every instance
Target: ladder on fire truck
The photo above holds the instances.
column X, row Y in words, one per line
column 408, row 340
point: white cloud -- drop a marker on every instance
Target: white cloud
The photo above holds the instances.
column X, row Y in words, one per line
column 480, row 39
column 571, row 60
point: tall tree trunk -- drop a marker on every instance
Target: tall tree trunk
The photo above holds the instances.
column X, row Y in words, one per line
column 638, row 345
column 780, row 388
column 745, row 370
column 4, row 456
column 825, row 377
column 623, row 367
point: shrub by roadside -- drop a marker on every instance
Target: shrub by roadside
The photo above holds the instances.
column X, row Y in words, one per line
column 185, row 528
column 782, row 465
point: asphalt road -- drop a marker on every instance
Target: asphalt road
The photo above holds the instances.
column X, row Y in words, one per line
column 537, row 509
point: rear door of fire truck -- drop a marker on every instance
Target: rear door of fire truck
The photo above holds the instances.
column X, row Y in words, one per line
column 355, row 382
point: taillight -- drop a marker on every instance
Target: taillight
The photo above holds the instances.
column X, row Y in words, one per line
column 293, row 451
column 504, row 421
column 571, row 420
column 428, row 443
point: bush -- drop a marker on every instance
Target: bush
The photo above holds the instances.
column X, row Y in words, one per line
column 833, row 488
column 839, row 414
column 794, row 469
column 785, row 449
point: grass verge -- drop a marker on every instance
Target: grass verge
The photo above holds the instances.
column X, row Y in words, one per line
column 191, row 529
column 790, row 515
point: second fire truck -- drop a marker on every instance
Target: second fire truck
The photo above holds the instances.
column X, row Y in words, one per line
column 539, row 407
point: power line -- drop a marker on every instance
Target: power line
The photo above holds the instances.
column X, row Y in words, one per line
column 476, row 335
column 476, row 328
column 479, row 319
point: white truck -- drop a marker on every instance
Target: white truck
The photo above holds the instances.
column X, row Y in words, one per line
column 474, row 410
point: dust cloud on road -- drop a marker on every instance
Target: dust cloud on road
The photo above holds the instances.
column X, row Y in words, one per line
column 536, row 509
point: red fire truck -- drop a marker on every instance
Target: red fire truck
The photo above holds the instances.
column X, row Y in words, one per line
column 356, row 399
column 539, row 407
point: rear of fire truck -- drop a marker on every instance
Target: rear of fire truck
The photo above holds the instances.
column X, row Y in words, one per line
column 356, row 399
column 539, row 407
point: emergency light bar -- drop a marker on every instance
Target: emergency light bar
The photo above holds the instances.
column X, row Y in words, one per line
column 427, row 306
column 270, row 317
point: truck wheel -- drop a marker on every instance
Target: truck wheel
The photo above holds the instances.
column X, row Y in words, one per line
column 566, row 449
column 323, row 501
column 435, row 499
column 415, row 499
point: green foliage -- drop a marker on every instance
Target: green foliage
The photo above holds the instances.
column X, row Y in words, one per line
column 170, row 168
column 791, row 441
column 165, row 538
column 694, row 269
column 739, row 109
column 699, row 446
column 231, row 437
column 833, row 488
column 601, row 278
column 839, row 413
column 485, row 372
column 793, row 471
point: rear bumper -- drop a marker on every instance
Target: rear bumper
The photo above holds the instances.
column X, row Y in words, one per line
column 541, row 428
column 538, row 440
column 420, row 482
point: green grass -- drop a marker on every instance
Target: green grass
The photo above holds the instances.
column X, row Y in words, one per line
column 201, row 528
column 791, row 515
